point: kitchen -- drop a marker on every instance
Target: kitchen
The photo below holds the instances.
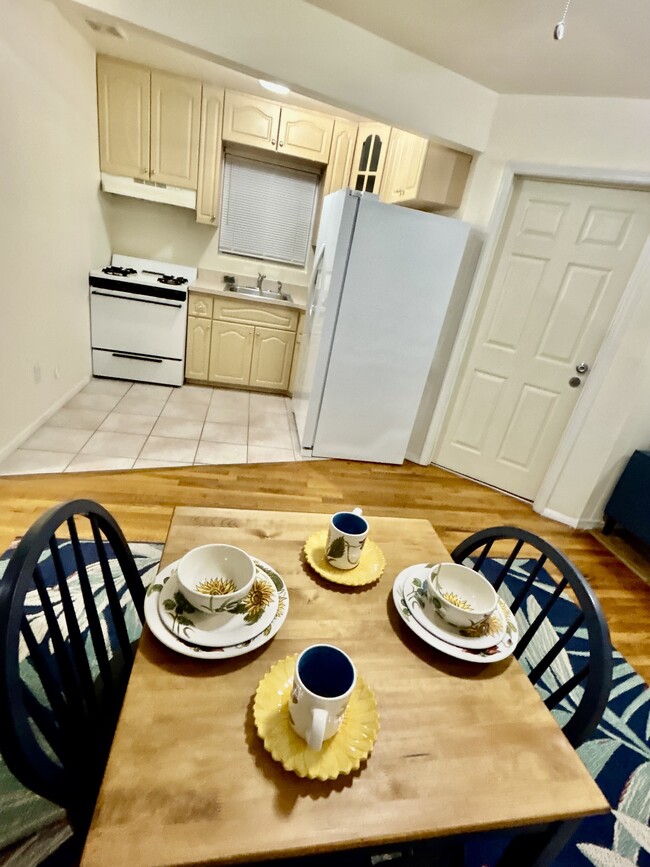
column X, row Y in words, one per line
column 74, row 219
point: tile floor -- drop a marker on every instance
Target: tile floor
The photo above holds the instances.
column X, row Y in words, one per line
column 117, row 425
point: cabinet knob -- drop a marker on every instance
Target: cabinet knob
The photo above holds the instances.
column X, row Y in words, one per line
column 212, row 219
column 273, row 141
column 153, row 172
column 281, row 144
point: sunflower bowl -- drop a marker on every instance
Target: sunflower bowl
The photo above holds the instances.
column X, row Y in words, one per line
column 215, row 577
column 460, row 595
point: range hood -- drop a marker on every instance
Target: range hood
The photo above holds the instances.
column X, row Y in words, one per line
column 149, row 190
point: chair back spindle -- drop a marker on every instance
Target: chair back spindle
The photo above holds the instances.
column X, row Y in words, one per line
column 66, row 652
column 582, row 693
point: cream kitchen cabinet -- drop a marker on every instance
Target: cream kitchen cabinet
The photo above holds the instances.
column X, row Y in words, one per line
column 272, row 357
column 423, row 174
column 149, row 123
column 231, row 351
column 210, row 155
column 369, row 157
column 344, row 139
column 261, row 123
column 249, row 344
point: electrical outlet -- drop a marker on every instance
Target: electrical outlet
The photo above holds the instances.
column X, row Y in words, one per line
column 37, row 373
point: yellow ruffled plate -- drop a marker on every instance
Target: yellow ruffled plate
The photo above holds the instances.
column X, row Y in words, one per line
column 341, row 754
column 369, row 568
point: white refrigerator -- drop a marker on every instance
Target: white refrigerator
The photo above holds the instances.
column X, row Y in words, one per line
column 382, row 283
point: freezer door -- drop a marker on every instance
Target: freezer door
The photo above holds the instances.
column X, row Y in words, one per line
column 330, row 264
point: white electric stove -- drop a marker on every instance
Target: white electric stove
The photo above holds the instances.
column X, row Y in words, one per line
column 138, row 319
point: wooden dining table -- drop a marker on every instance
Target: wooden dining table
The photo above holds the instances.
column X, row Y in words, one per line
column 462, row 747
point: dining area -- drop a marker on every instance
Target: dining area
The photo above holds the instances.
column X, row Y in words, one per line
column 331, row 715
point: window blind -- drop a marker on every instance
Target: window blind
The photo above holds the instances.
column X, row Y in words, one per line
column 266, row 210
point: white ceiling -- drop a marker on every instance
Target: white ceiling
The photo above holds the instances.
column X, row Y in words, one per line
column 138, row 46
column 508, row 45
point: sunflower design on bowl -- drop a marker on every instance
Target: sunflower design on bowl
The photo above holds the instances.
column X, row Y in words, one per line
column 457, row 601
column 490, row 626
column 216, row 586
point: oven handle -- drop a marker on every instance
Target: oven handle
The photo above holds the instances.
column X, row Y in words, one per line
column 136, row 357
column 141, row 300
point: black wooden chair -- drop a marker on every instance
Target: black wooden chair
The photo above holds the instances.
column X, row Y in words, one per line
column 68, row 611
column 578, row 694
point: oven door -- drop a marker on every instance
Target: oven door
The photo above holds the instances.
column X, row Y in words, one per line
column 140, row 324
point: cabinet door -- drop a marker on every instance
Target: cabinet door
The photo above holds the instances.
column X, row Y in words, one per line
column 272, row 356
column 207, row 196
column 197, row 357
column 369, row 157
column 175, row 125
column 123, row 112
column 231, row 348
column 305, row 134
column 344, row 137
column 250, row 120
column 403, row 168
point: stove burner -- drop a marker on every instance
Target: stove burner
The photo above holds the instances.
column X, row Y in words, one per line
column 116, row 271
column 168, row 280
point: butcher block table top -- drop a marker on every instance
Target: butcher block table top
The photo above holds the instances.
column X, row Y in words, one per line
column 462, row 747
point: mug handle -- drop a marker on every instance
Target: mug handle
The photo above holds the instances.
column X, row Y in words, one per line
column 433, row 574
column 357, row 511
column 317, row 728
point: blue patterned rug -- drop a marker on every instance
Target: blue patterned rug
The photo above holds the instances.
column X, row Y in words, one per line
column 618, row 754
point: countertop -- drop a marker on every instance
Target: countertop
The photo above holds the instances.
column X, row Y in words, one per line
column 209, row 287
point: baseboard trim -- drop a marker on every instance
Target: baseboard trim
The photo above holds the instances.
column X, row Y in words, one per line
column 25, row 434
column 576, row 523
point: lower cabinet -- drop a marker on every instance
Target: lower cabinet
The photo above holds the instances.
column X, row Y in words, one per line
column 271, row 359
column 226, row 345
column 231, row 349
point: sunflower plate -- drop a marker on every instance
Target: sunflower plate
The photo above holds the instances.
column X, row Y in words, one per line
column 368, row 570
column 341, row 754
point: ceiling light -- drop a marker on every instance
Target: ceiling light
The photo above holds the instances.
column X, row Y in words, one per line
column 275, row 88
column 558, row 31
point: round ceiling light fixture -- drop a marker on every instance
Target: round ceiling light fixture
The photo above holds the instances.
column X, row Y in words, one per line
column 273, row 87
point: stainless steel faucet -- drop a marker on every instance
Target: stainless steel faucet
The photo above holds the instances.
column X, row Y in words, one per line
column 260, row 279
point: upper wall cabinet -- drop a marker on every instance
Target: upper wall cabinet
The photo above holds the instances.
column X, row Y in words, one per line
column 210, row 153
column 149, row 123
column 423, row 174
column 369, row 157
column 339, row 167
column 250, row 120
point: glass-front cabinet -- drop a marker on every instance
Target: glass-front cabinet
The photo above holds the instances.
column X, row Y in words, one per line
column 369, row 157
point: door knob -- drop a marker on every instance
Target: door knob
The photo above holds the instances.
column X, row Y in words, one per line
column 582, row 367
column 575, row 381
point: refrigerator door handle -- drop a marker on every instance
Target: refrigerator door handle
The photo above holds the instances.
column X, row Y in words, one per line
column 313, row 293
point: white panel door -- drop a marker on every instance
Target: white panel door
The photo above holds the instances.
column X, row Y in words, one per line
column 565, row 256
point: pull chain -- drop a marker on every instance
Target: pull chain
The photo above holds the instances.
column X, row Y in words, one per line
column 558, row 33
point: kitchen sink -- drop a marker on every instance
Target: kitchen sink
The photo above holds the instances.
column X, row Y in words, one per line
column 254, row 292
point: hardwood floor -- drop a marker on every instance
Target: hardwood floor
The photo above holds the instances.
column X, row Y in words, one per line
column 143, row 502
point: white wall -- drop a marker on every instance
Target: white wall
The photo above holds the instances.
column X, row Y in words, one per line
column 167, row 233
column 325, row 58
column 584, row 132
column 51, row 228
column 606, row 134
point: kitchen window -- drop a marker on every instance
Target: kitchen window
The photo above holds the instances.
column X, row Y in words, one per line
column 267, row 210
